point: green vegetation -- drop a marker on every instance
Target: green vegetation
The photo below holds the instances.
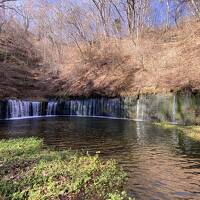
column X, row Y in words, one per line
column 30, row 171
column 191, row 131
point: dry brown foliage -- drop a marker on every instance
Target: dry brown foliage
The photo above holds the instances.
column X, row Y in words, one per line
column 21, row 67
column 159, row 61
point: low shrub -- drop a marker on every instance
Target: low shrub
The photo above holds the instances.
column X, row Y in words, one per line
column 30, row 171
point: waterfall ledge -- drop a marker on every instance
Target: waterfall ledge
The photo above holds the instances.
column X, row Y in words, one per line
column 184, row 109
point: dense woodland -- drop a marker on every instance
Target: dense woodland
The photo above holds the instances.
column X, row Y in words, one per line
column 81, row 42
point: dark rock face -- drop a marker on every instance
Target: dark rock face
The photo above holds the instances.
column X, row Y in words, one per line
column 2, row 110
column 179, row 108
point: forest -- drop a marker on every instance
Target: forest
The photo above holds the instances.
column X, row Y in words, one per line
column 101, row 47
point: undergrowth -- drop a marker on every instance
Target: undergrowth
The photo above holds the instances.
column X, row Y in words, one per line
column 30, row 171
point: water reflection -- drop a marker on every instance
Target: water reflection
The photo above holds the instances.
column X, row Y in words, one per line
column 140, row 131
column 160, row 164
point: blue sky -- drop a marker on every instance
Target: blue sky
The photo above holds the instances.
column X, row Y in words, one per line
column 159, row 9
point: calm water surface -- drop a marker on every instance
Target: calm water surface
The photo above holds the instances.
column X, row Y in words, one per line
column 160, row 164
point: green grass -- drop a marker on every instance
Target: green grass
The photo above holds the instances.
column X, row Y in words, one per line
column 29, row 171
column 191, row 131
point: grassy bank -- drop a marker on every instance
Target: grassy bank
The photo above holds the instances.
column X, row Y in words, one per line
column 29, row 171
column 190, row 131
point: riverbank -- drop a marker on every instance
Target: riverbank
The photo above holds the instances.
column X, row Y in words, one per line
column 28, row 170
column 191, row 131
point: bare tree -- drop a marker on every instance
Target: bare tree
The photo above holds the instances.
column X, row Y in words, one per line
column 130, row 6
column 196, row 6
column 25, row 12
column 104, row 10
column 2, row 2
column 3, row 7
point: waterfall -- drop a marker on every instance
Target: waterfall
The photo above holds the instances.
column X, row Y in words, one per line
column 52, row 108
column 36, row 108
column 138, row 110
column 76, row 107
column 16, row 109
column 93, row 107
column 25, row 106
column 105, row 107
column 174, row 110
column 141, row 110
column 80, row 107
column 83, row 107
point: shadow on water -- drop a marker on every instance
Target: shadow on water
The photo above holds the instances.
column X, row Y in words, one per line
column 160, row 164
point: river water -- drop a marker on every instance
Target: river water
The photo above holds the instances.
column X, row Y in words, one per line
column 160, row 164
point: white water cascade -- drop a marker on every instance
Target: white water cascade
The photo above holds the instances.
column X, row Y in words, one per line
column 52, row 108
column 140, row 111
column 16, row 109
column 94, row 107
column 36, row 108
column 82, row 107
column 174, row 110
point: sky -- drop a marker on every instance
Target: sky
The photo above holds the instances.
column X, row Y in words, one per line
column 159, row 9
